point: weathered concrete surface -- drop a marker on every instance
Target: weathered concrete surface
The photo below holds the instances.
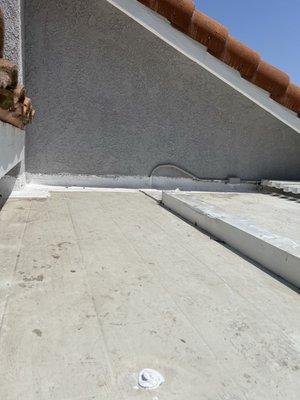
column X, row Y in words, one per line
column 112, row 98
column 292, row 187
column 245, row 233
column 96, row 286
column 280, row 215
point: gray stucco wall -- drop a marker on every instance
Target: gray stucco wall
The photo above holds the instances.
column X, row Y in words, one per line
column 13, row 46
column 14, row 51
column 112, row 98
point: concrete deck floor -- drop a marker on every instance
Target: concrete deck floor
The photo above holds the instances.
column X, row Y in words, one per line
column 96, row 286
column 275, row 213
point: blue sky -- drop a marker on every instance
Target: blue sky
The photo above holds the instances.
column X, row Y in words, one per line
column 271, row 27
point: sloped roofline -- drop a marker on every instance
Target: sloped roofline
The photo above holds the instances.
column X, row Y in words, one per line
column 209, row 44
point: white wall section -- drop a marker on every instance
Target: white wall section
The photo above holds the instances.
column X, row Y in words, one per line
column 11, row 147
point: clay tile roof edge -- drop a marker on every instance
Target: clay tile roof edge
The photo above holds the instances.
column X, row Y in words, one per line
column 183, row 15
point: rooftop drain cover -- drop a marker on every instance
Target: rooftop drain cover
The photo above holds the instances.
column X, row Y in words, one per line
column 150, row 379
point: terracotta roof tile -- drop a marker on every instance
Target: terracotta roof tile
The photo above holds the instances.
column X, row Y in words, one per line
column 215, row 37
column 208, row 32
column 15, row 108
column 271, row 79
column 8, row 74
column 291, row 98
column 240, row 57
column 179, row 12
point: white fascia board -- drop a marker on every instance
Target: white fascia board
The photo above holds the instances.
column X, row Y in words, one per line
column 198, row 53
column 12, row 141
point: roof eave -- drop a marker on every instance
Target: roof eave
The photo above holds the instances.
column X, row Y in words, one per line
column 195, row 51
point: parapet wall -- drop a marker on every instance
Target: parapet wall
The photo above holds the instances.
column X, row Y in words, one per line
column 121, row 101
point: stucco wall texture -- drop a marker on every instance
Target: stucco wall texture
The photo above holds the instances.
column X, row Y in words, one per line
column 13, row 17
column 112, row 98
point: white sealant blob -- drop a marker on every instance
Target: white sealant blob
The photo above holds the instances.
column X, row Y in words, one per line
column 150, row 379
